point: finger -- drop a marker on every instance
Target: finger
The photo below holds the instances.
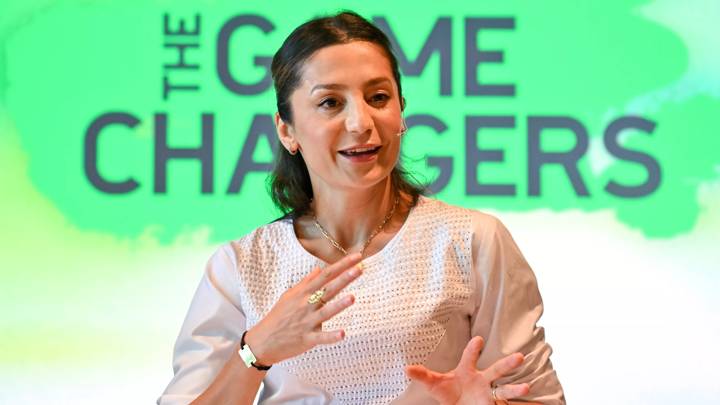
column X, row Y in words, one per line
column 332, row 271
column 328, row 311
column 421, row 374
column 325, row 338
column 314, row 273
column 503, row 366
column 335, row 286
column 472, row 353
column 511, row 391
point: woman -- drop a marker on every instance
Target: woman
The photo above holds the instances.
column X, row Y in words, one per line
column 366, row 292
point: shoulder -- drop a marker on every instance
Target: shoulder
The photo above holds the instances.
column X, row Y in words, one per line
column 482, row 227
column 478, row 221
column 438, row 210
column 262, row 240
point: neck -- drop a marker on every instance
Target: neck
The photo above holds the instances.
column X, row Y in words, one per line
column 351, row 216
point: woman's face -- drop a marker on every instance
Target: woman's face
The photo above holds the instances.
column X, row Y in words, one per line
column 346, row 117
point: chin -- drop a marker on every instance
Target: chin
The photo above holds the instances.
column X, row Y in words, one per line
column 371, row 179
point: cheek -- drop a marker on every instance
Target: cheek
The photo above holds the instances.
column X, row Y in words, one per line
column 391, row 121
column 391, row 130
column 394, row 151
column 318, row 140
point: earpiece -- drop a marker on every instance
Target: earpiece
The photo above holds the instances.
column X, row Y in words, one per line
column 403, row 127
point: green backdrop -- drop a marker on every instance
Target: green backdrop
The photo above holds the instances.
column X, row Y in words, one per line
column 590, row 121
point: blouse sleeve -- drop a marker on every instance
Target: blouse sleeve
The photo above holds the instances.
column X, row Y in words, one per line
column 507, row 308
column 212, row 327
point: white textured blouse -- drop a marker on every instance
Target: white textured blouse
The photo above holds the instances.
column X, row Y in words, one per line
column 448, row 274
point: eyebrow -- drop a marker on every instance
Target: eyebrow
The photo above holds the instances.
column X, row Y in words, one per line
column 336, row 86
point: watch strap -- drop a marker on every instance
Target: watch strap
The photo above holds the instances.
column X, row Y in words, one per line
column 248, row 357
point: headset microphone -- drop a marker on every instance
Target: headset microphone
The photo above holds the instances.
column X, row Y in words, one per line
column 403, row 128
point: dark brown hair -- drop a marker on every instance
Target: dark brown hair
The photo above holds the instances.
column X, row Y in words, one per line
column 289, row 182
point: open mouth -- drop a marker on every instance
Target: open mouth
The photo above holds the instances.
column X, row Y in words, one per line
column 360, row 151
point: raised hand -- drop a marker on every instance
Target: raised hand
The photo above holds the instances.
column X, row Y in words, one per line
column 466, row 385
column 293, row 325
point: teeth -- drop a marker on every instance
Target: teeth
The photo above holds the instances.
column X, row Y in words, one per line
column 360, row 150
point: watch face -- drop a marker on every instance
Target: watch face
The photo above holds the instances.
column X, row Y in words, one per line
column 247, row 356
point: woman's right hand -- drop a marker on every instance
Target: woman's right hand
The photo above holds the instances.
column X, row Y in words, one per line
column 293, row 325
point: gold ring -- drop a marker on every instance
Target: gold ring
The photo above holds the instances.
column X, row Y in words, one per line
column 317, row 297
column 496, row 399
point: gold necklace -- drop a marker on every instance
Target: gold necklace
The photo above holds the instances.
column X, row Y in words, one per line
column 369, row 239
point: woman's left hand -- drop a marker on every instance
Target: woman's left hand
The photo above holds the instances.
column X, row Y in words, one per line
column 466, row 385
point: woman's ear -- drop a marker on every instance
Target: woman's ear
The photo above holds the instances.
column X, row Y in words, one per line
column 285, row 134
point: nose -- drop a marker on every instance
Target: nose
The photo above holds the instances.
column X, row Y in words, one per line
column 358, row 119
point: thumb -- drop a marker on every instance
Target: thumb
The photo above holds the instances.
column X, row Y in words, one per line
column 419, row 373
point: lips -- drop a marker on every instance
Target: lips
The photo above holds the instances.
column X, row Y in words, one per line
column 360, row 151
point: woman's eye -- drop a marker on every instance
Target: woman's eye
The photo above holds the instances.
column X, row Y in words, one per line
column 329, row 103
column 379, row 98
